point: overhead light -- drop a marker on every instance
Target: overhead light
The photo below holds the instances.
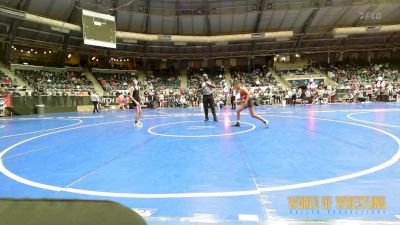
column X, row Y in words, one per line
column 126, row 40
column 222, row 43
column 60, row 29
column 13, row 13
column 180, row 43
column 257, row 35
column 282, row 39
column 340, row 35
column 162, row 37
column 50, row 52
column 373, row 28
column 127, row 60
column 22, row 50
column 29, row 52
column 279, row 35
column 297, row 55
column 69, row 55
column 35, row 52
column 45, row 53
column 97, row 60
column 93, row 58
column 345, row 31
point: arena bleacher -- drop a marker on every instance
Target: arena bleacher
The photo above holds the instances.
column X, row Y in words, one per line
column 56, row 83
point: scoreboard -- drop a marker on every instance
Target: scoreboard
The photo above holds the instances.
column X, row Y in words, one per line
column 98, row 29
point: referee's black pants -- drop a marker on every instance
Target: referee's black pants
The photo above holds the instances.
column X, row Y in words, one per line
column 233, row 104
column 208, row 101
column 95, row 106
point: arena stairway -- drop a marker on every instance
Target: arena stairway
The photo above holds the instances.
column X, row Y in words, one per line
column 183, row 78
column 328, row 80
column 280, row 79
column 11, row 74
column 96, row 85
column 141, row 75
column 228, row 76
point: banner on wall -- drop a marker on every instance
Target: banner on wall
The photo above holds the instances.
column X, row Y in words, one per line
column 2, row 104
column 5, row 102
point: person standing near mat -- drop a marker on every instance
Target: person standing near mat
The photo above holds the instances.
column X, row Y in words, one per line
column 135, row 96
column 208, row 99
column 246, row 103
column 95, row 98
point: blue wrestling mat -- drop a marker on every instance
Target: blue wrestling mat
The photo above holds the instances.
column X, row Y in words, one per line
column 315, row 164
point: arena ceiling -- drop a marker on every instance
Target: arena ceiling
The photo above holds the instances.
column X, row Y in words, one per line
column 311, row 21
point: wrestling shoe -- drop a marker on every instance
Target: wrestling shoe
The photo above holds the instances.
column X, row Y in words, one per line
column 236, row 125
column 266, row 123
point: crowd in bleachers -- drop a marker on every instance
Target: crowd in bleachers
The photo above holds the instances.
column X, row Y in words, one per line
column 161, row 87
column 164, row 82
column 56, row 83
column 7, row 83
column 262, row 84
column 305, row 70
column 259, row 76
column 112, row 82
column 375, row 82
column 195, row 76
column 9, row 86
column 166, row 77
column 183, row 98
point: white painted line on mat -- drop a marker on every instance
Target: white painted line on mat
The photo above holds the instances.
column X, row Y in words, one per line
column 200, row 127
column 144, row 212
column 248, row 218
column 39, row 131
column 364, row 121
column 151, row 131
column 394, row 159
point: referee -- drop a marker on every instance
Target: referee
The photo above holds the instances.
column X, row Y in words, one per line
column 208, row 99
